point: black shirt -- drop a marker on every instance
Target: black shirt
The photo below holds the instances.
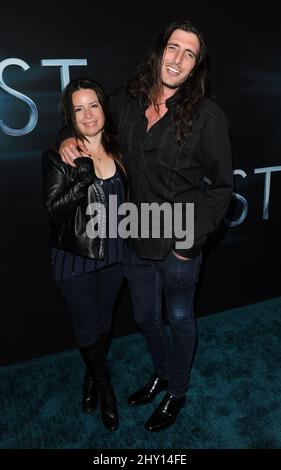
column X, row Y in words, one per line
column 160, row 170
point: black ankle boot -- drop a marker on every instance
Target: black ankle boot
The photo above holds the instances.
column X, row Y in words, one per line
column 96, row 358
column 90, row 393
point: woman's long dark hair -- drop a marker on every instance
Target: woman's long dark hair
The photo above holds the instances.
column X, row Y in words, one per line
column 145, row 82
column 109, row 138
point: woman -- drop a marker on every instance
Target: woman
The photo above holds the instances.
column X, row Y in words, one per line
column 87, row 264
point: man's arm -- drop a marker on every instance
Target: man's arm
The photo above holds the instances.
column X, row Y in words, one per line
column 69, row 147
column 218, row 173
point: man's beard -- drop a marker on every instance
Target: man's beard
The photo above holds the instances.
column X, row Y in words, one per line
column 172, row 86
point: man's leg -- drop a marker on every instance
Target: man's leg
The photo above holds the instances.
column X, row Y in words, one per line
column 146, row 290
column 179, row 280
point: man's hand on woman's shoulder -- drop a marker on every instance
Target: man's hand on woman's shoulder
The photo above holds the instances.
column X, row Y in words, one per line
column 72, row 148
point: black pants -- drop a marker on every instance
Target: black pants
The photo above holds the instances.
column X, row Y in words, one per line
column 91, row 298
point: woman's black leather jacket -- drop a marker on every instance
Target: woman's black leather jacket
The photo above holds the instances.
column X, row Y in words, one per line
column 68, row 191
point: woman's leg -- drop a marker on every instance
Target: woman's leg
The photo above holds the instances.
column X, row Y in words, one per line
column 91, row 300
column 81, row 293
column 109, row 281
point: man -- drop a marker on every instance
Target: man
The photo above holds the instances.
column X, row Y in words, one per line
column 176, row 149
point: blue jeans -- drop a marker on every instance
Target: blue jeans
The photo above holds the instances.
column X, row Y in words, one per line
column 172, row 354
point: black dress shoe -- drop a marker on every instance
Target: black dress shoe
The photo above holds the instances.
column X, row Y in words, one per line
column 165, row 413
column 149, row 391
column 90, row 394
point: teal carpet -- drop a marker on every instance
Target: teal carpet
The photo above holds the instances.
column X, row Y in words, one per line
column 233, row 399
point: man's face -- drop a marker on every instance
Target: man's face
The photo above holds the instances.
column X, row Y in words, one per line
column 179, row 58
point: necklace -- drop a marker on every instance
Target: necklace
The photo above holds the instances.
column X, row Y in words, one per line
column 101, row 154
column 96, row 157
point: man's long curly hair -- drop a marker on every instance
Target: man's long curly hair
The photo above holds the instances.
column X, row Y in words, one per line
column 145, row 82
